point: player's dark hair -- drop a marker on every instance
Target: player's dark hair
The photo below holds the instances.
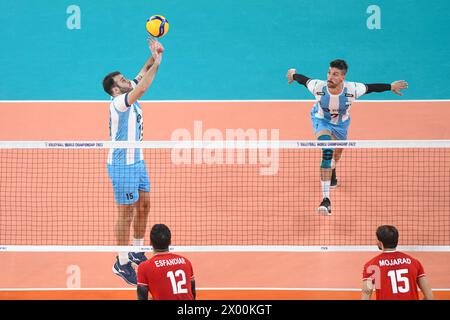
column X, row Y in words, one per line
column 339, row 64
column 108, row 81
column 160, row 237
column 388, row 235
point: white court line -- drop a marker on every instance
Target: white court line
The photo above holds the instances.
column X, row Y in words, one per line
column 206, row 101
column 201, row 289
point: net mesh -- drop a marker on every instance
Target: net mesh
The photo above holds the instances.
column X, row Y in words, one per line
column 235, row 196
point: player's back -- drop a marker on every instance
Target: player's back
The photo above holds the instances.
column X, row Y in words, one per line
column 168, row 276
column 395, row 275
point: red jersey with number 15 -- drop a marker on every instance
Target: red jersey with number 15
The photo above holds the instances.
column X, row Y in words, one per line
column 394, row 275
column 168, row 277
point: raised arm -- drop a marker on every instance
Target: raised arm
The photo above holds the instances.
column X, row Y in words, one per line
column 148, row 76
column 395, row 87
column 292, row 76
column 145, row 68
column 148, row 64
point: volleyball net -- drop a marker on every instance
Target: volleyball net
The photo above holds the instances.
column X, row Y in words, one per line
column 240, row 195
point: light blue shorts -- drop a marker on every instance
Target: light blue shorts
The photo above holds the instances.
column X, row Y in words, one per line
column 128, row 180
column 340, row 131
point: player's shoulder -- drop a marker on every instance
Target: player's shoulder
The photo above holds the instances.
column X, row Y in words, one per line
column 316, row 86
column 397, row 255
column 120, row 102
column 354, row 89
column 178, row 256
column 353, row 85
column 145, row 266
column 181, row 259
column 375, row 259
column 317, row 82
column 166, row 255
column 408, row 256
column 402, row 254
column 146, row 263
column 116, row 99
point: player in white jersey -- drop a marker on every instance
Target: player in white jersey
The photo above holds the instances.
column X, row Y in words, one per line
column 126, row 167
column 330, row 115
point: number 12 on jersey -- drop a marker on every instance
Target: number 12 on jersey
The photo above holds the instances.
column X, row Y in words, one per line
column 177, row 286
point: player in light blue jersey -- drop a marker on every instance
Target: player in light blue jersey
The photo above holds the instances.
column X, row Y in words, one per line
column 330, row 115
column 126, row 167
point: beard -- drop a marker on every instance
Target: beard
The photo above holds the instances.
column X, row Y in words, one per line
column 125, row 89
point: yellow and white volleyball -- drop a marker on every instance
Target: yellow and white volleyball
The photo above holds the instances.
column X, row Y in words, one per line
column 157, row 26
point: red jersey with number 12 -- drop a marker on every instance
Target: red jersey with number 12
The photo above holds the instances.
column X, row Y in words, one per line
column 394, row 275
column 168, row 277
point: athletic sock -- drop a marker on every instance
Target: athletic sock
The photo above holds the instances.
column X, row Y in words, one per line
column 326, row 188
column 123, row 258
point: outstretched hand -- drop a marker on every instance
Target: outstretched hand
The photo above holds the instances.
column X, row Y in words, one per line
column 290, row 75
column 398, row 85
column 155, row 45
column 156, row 48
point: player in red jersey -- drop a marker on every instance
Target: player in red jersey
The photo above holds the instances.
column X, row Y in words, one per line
column 394, row 274
column 166, row 275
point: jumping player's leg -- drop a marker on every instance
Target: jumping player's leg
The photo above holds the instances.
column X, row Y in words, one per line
column 142, row 206
column 122, row 229
column 140, row 225
column 125, row 217
column 337, row 153
column 125, row 186
column 141, row 217
column 325, row 171
column 336, row 157
column 334, row 179
column 326, row 131
column 123, row 267
column 338, row 133
column 142, row 212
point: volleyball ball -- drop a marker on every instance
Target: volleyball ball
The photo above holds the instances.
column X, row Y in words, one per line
column 157, row 26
